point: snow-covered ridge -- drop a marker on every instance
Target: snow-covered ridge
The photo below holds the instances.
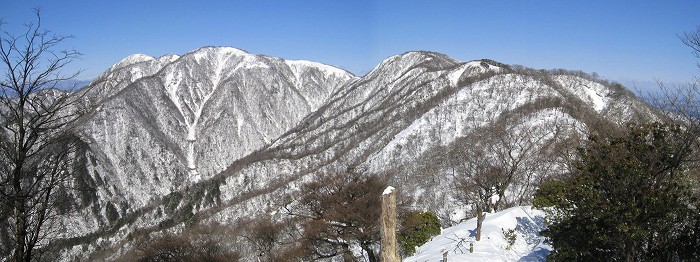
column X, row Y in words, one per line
column 199, row 53
column 471, row 68
column 399, row 63
column 297, row 65
column 130, row 60
column 168, row 58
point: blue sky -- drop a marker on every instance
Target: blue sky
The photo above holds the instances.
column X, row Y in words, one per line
column 625, row 41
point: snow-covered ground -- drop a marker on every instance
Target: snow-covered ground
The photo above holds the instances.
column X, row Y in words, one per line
column 528, row 246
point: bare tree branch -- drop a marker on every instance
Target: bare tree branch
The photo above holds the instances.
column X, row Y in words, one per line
column 692, row 40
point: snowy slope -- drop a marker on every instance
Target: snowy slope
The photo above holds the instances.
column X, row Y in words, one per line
column 493, row 246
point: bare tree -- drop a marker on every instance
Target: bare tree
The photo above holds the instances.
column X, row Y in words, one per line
column 682, row 102
column 493, row 161
column 265, row 235
column 339, row 211
column 692, row 40
column 187, row 247
column 500, row 165
column 680, row 105
column 36, row 142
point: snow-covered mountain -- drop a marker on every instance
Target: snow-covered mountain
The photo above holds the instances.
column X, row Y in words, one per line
column 161, row 124
column 219, row 135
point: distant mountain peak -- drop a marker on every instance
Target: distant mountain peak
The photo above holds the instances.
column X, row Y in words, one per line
column 130, row 60
column 167, row 58
column 427, row 59
column 321, row 66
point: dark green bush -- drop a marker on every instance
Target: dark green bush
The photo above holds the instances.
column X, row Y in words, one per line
column 416, row 230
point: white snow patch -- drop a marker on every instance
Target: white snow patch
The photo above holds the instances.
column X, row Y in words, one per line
column 199, row 55
column 494, row 199
column 136, row 73
column 590, row 92
column 388, row 190
column 597, row 99
column 231, row 51
column 250, row 61
column 456, row 74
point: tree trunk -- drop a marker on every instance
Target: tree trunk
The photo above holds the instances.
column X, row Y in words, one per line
column 20, row 216
column 20, row 233
column 479, row 221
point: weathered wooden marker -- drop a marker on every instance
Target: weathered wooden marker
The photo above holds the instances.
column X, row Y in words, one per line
column 389, row 252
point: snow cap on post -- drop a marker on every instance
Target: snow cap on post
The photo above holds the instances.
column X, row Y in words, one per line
column 388, row 190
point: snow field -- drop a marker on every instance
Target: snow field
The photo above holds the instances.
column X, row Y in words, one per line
column 528, row 246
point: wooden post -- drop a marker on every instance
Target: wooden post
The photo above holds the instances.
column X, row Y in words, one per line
column 389, row 248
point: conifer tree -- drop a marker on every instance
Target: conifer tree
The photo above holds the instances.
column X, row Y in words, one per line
column 629, row 199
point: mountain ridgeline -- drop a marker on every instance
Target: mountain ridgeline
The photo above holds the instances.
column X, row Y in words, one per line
column 219, row 136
